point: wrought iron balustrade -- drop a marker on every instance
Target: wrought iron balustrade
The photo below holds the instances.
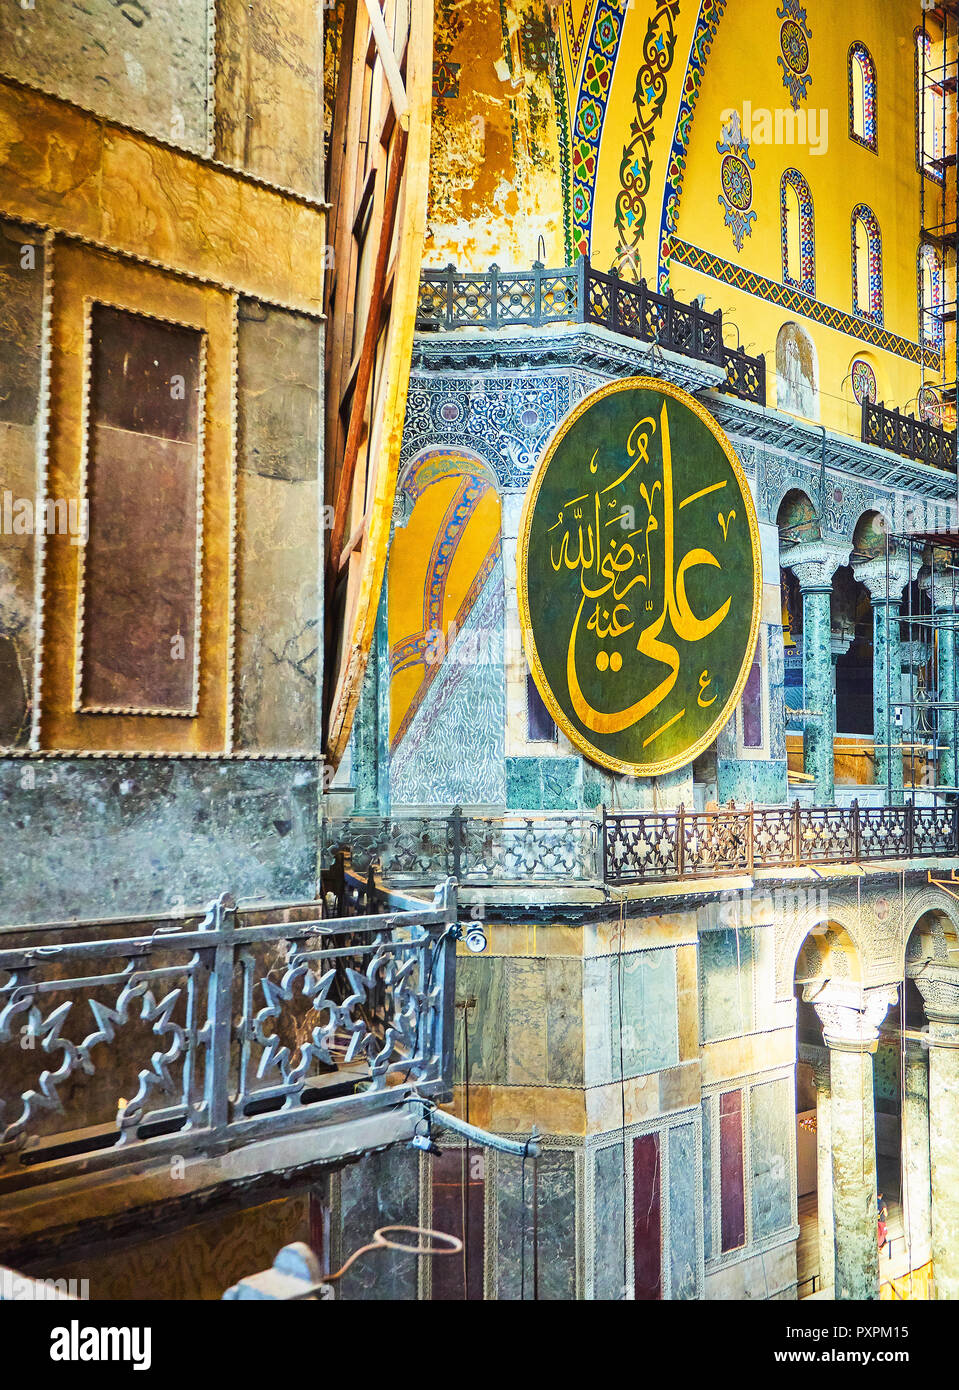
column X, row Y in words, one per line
column 908, row 437
column 471, row 849
column 745, row 375
column 208, row 1032
column 642, row 846
column 624, row 847
column 538, row 297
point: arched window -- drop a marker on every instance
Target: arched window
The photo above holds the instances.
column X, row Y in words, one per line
column 799, row 258
column 866, row 264
column 930, row 102
column 930, row 297
column 862, row 97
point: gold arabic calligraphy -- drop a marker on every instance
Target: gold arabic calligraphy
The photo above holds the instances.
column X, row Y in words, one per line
column 617, row 578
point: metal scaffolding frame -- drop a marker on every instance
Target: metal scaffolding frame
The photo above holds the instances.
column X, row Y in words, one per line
column 938, row 71
column 928, row 616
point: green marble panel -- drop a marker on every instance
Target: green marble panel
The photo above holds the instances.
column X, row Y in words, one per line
column 771, row 1118
column 726, row 982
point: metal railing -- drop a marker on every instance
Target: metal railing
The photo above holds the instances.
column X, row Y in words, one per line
column 217, row 1029
column 625, row 847
column 908, row 437
column 471, row 849
column 535, row 298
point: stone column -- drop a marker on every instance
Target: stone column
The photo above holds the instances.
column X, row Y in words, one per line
column 850, row 1018
column 886, row 582
column 814, row 564
column 827, row 1252
column 947, row 688
column 939, row 986
column 917, row 1193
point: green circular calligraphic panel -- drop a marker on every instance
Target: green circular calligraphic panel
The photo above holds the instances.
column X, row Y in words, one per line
column 639, row 577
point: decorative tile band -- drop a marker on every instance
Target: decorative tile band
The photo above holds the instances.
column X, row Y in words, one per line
column 597, row 78
column 710, row 13
column 790, row 298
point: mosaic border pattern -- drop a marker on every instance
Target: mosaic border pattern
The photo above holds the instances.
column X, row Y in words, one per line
column 792, row 178
column 597, row 79
column 718, row 268
column 710, row 13
column 858, row 50
column 864, row 214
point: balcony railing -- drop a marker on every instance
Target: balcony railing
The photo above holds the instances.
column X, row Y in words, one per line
column 908, row 437
column 515, row 849
column 640, row 846
column 208, row 1032
column 538, row 297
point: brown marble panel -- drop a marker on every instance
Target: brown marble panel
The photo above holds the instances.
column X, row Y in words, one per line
column 139, row 584
column 140, row 575
column 731, row 1179
column 269, row 89
column 21, row 303
column 647, row 1223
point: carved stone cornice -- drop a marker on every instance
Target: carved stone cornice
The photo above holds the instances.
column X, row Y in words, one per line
column 850, row 1015
column 814, row 563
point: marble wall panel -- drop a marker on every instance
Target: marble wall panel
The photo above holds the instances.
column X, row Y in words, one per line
column 458, row 1188
column 381, row 1190
column 279, row 604
column 646, row 980
column 139, row 63
column 166, row 832
column 140, row 562
column 683, row 1220
column 649, row 1039
column 556, row 1222
column 21, row 301
column 482, row 978
column 609, row 1236
column 269, row 91
column 771, row 1119
column 647, row 1218
column 726, row 981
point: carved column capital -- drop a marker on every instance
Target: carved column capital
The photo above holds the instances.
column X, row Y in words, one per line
column 872, row 573
column 850, row 1015
column 938, row 983
column 818, row 1059
column 814, row 563
column 944, row 595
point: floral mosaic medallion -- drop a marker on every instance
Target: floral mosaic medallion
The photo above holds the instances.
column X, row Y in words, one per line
column 736, row 180
column 863, row 381
column 794, row 37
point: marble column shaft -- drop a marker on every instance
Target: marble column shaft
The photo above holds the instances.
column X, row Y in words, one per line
column 850, row 1017
column 938, row 984
column 826, row 1220
column 886, row 679
column 917, row 1192
column 818, row 693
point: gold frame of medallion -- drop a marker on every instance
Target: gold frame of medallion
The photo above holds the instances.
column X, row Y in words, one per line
column 577, row 739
